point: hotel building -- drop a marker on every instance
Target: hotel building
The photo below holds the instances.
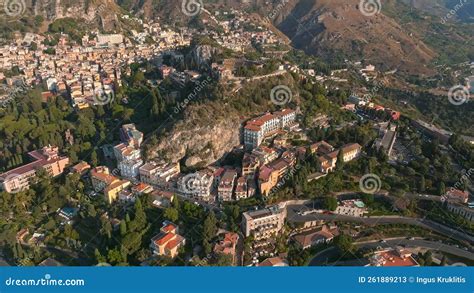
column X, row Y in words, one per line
column 47, row 159
column 263, row 224
column 257, row 129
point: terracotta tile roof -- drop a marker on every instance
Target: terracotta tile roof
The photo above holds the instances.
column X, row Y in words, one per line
column 272, row 262
column 174, row 242
column 392, row 259
column 164, row 238
column 168, row 228
column 350, row 147
column 265, row 173
column 252, row 127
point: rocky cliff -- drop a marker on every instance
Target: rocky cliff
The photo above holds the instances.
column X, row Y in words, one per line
column 103, row 12
column 202, row 137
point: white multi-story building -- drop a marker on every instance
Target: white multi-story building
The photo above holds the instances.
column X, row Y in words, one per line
column 197, row 185
column 156, row 174
column 257, row 129
column 130, row 168
column 129, row 160
column 263, row 224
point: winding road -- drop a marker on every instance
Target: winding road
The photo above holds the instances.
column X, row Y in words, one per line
column 295, row 216
column 322, row 257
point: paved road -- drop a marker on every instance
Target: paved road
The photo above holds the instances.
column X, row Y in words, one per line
column 421, row 243
column 322, row 257
column 293, row 216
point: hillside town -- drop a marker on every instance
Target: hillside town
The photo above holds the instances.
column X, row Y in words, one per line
column 290, row 192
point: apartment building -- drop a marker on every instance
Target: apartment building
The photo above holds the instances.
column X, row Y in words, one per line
column 109, row 39
column 131, row 136
column 328, row 160
column 226, row 185
column 257, row 129
column 47, row 158
column 321, row 148
column 168, row 241
column 250, row 165
column 198, row 185
column 109, row 185
column 241, row 189
column 270, row 174
column 156, row 174
column 351, row 151
column 129, row 160
column 265, row 154
column 265, row 223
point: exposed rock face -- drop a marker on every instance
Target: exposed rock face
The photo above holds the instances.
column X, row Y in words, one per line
column 203, row 142
column 100, row 11
column 202, row 54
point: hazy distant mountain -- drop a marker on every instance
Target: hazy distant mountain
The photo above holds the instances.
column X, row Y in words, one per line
column 406, row 35
column 464, row 9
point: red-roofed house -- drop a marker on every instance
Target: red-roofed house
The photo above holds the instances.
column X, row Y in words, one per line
column 227, row 245
column 457, row 196
column 168, row 241
column 393, row 258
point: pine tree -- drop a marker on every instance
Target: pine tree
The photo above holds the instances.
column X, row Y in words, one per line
column 123, row 228
column 94, row 159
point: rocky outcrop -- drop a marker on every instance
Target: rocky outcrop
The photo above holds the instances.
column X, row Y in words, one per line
column 103, row 12
column 202, row 54
column 202, row 140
